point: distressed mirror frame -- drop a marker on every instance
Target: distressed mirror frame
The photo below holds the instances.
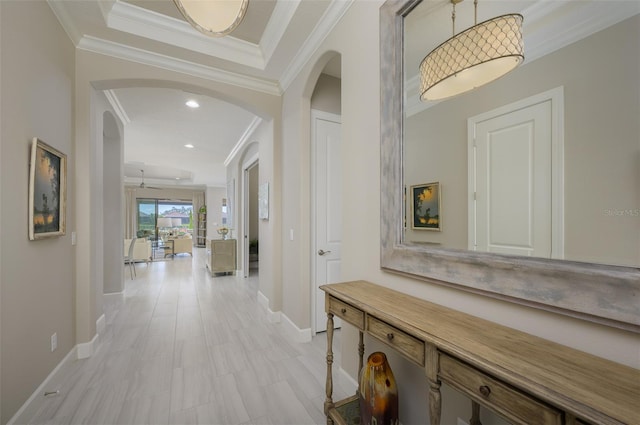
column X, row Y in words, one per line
column 604, row 294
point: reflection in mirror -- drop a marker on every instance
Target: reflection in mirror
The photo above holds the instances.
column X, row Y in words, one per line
column 543, row 162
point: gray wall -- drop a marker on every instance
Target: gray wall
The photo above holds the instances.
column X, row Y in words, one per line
column 326, row 95
column 37, row 277
column 602, row 144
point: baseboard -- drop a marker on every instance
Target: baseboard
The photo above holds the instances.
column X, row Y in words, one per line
column 101, row 324
column 86, row 349
column 298, row 335
column 346, row 382
column 81, row 351
column 31, row 407
column 272, row 316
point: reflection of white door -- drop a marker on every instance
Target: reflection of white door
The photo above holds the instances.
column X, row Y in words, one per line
column 512, row 181
column 327, row 208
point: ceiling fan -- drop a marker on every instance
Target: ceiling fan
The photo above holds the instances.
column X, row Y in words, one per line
column 144, row 186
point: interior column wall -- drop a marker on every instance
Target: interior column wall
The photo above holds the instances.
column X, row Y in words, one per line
column 37, row 279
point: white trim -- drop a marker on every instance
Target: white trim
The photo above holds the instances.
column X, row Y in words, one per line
column 327, row 116
column 327, row 22
column 244, row 139
column 86, row 349
column 277, row 26
column 246, row 166
column 121, row 51
column 293, row 331
column 272, row 316
column 556, row 97
column 59, row 9
column 117, row 106
column 346, row 381
column 101, row 324
column 51, row 383
column 145, row 23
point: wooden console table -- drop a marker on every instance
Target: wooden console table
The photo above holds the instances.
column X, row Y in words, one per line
column 523, row 378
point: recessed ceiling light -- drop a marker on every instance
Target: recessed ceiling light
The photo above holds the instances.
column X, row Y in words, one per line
column 192, row 104
column 189, row 146
column 177, row 178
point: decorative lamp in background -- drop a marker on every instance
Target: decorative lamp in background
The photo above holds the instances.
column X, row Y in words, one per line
column 472, row 58
column 164, row 222
column 215, row 18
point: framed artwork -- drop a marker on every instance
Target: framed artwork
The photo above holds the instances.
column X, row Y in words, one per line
column 47, row 191
column 263, row 201
column 426, row 207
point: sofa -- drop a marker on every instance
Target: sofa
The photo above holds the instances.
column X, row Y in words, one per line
column 182, row 244
column 141, row 249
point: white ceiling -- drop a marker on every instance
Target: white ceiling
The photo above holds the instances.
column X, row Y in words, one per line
column 264, row 53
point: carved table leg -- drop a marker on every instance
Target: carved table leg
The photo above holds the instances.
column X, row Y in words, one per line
column 360, row 363
column 329, row 384
column 475, row 414
column 435, row 397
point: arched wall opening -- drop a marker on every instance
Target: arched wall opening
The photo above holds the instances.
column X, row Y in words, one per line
column 94, row 74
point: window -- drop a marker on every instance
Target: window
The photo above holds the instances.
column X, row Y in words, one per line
column 160, row 218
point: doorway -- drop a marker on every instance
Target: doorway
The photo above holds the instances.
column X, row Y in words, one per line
column 326, row 209
column 251, row 225
column 515, row 178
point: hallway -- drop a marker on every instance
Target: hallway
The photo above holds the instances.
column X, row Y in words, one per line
column 181, row 347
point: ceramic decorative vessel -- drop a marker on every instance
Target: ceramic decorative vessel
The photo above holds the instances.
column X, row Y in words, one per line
column 378, row 392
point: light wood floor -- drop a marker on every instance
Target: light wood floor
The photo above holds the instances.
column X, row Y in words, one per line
column 181, row 347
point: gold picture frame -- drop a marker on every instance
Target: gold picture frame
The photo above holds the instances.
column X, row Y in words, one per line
column 47, row 191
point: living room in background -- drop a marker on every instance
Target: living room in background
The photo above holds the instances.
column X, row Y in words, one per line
column 160, row 219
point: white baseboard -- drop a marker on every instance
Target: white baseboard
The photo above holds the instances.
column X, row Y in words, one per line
column 31, row 407
column 101, row 324
column 86, row 349
column 346, row 382
column 298, row 335
column 272, row 316
column 81, row 351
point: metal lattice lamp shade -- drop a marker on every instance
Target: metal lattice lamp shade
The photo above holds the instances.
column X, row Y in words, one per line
column 472, row 58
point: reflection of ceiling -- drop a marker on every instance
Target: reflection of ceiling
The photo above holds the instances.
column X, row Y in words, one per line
column 264, row 53
column 547, row 26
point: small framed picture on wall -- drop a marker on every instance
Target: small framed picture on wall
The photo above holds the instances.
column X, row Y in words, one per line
column 426, row 207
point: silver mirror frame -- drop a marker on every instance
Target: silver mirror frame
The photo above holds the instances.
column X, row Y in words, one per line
column 608, row 295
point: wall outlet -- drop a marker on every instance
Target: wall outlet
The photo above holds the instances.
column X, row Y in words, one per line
column 54, row 342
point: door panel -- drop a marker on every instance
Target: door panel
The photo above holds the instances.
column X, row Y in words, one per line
column 513, row 182
column 328, row 209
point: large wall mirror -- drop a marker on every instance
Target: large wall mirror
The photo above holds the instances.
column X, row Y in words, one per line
column 535, row 177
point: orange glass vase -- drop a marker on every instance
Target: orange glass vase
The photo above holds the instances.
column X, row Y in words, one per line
column 378, row 392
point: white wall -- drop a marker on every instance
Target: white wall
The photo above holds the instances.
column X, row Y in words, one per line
column 37, row 277
column 214, row 197
column 356, row 39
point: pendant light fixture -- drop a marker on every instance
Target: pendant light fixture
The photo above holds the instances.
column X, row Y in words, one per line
column 472, row 58
column 215, row 18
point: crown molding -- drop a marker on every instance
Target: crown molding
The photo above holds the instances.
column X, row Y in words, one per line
column 145, row 23
column 117, row 106
column 329, row 19
column 59, row 9
column 277, row 26
column 145, row 57
column 544, row 34
column 243, row 140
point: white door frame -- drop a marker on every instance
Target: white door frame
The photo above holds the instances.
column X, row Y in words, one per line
column 556, row 96
column 246, row 165
column 315, row 115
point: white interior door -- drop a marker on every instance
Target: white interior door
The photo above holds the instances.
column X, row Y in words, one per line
column 327, row 207
column 513, row 184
